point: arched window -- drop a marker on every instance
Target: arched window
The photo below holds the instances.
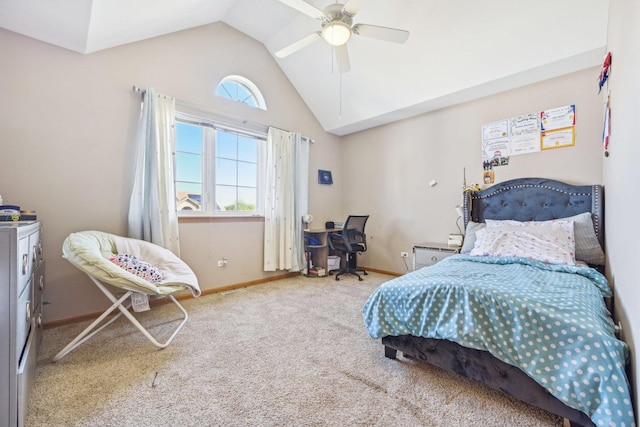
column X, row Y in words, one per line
column 241, row 89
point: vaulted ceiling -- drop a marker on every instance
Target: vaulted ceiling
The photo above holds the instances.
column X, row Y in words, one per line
column 457, row 51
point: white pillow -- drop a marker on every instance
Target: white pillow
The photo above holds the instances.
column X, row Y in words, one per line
column 552, row 243
column 588, row 247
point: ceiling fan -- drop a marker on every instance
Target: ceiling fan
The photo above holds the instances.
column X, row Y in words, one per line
column 337, row 28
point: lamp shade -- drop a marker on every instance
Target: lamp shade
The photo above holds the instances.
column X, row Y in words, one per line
column 336, row 33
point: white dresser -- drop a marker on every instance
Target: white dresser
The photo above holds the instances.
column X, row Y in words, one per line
column 429, row 253
column 21, row 285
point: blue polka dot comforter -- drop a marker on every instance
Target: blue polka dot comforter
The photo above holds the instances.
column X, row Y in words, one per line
column 549, row 320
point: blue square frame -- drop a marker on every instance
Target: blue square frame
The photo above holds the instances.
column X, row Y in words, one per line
column 324, row 177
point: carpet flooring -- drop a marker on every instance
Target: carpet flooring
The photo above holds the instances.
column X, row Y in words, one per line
column 292, row 352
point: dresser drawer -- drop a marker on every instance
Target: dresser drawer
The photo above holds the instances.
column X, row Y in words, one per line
column 38, row 285
column 24, row 313
column 25, row 375
column 425, row 255
column 429, row 256
column 35, row 249
column 24, row 263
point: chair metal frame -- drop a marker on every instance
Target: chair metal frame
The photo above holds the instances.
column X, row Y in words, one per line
column 122, row 305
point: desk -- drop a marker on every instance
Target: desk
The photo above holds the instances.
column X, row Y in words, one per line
column 316, row 254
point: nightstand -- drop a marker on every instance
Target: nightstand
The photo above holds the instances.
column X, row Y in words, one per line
column 429, row 253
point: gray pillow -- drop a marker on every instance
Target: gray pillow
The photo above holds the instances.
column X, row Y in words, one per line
column 470, row 236
column 588, row 247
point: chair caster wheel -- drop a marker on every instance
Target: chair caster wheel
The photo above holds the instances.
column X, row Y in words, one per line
column 360, row 279
column 366, row 274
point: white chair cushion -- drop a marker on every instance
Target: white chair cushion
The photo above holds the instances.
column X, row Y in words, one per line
column 90, row 251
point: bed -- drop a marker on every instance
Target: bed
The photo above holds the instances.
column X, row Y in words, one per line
column 536, row 329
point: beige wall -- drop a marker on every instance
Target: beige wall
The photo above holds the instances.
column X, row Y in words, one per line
column 69, row 120
column 622, row 172
column 67, row 124
column 397, row 162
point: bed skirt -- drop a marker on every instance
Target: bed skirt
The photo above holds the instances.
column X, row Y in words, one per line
column 482, row 366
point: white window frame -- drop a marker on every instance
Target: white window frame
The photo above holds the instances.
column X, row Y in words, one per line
column 249, row 86
column 208, row 195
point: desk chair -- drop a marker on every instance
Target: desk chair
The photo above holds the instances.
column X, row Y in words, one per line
column 350, row 240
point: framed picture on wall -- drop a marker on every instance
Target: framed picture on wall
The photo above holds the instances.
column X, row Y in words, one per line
column 324, row 177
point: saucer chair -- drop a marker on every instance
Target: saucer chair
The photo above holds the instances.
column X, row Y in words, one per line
column 117, row 265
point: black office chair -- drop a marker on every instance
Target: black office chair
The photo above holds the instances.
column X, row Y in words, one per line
column 350, row 240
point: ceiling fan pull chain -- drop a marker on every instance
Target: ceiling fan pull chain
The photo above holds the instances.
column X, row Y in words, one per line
column 333, row 55
column 340, row 106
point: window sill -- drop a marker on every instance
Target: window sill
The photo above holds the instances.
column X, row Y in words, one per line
column 201, row 219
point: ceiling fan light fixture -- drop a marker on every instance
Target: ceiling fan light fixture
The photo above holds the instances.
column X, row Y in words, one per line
column 336, row 33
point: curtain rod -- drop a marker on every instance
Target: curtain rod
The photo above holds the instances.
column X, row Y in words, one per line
column 137, row 89
column 198, row 108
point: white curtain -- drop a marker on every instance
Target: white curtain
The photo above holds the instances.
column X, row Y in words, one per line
column 152, row 209
column 301, row 192
column 286, row 200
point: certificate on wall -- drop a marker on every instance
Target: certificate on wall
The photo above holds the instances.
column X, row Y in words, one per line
column 525, row 134
column 526, row 123
column 495, row 130
column 496, row 151
column 558, row 118
column 558, row 138
column 525, row 143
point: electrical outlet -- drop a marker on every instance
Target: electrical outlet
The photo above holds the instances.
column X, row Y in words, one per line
column 220, row 263
column 404, row 254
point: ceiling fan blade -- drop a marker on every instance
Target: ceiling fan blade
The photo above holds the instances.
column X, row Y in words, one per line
column 342, row 58
column 304, row 7
column 382, row 33
column 353, row 6
column 296, row 46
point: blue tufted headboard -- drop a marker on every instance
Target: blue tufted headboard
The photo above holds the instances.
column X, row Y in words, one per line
column 535, row 199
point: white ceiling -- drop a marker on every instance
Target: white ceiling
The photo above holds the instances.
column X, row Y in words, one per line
column 458, row 50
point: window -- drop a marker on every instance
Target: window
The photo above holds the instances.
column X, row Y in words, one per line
column 216, row 168
column 241, row 89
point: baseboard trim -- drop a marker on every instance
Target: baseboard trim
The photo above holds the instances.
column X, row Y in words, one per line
column 161, row 300
column 186, row 295
column 376, row 270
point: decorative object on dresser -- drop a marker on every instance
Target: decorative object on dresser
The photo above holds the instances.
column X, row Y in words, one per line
column 13, row 213
column 522, row 324
column 429, row 253
column 138, row 268
column 21, row 286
